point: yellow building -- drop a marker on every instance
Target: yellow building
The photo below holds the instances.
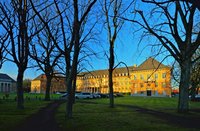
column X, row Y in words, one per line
column 38, row 85
column 149, row 78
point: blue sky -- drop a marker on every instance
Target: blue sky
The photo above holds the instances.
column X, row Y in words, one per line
column 126, row 50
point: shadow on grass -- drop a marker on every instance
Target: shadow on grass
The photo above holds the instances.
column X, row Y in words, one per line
column 188, row 120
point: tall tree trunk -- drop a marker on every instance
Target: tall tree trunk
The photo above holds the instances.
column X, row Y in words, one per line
column 74, row 89
column 20, row 96
column 111, row 64
column 72, row 74
column 48, row 87
column 70, row 98
column 193, row 91
column 183, row 105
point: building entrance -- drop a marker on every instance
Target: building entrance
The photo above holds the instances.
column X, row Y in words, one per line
column 148, row 92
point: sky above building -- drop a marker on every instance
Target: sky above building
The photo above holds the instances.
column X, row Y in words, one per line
column 128, row 49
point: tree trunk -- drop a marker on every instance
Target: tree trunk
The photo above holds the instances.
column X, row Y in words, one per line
column 72, row 74
column 48, row 87
column 74, row 89
column 20, row 95
column 68, row 85
column 111, row 64
column 183, row 104
column 193, row 91
column 70, row 98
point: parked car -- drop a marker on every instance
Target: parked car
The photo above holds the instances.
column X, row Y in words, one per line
column 96, row 95
column 104, row 95
column 197, row 98
column 119, row 94
column 83, row 95
column 64, row 96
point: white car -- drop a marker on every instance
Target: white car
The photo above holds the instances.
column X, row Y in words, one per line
column 96, row 95
column 83, row 95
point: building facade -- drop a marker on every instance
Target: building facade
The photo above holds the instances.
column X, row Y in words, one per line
column 7, row 84
column 149, row 78
column 38, row 85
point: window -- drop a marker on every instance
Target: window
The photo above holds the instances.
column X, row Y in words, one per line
column 163, row 84
column 135, row 85
column 156, row 76
column 141, row 77
column 163, row 75
column 156, row 84
column 135, row 77
column 141, row 85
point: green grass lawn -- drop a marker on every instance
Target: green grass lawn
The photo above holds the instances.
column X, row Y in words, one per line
column 95, row 114
column 10, row 116
column 28, row 96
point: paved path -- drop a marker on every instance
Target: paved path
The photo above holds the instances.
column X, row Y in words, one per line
column 44, row 120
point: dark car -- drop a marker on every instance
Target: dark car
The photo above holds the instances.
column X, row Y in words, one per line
column 119, row 94
column 103, row 95
column 64, row 96
column 197, row 98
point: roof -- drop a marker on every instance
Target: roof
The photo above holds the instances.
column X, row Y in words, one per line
column 43, row 76
column 148, row 64
column 151, row 63
column 7, row 78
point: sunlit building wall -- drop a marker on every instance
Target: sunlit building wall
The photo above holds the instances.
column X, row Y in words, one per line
column 38, row 85
column 149, row 78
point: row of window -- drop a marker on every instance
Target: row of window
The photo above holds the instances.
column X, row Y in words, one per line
column 125, row 74
column 148, row 85
column 149, row 76
column 103, row 76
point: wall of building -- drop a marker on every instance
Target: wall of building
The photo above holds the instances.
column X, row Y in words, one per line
column 39, row 86
column 138, row 82
column 36, row 86
column 158, row 82
column 6, row 86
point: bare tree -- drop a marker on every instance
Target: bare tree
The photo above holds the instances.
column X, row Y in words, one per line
column 78, row 24
column 46, row 55
column 195, row 79
column 196, row 3
column 174, row 30
column 3, row 46
column 75, row 15
column 112, row 10
column 15, row 14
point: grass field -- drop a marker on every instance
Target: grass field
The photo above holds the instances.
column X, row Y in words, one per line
column 10, row 116
column 95, row 114
column 129, row 113
column 27, row 96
